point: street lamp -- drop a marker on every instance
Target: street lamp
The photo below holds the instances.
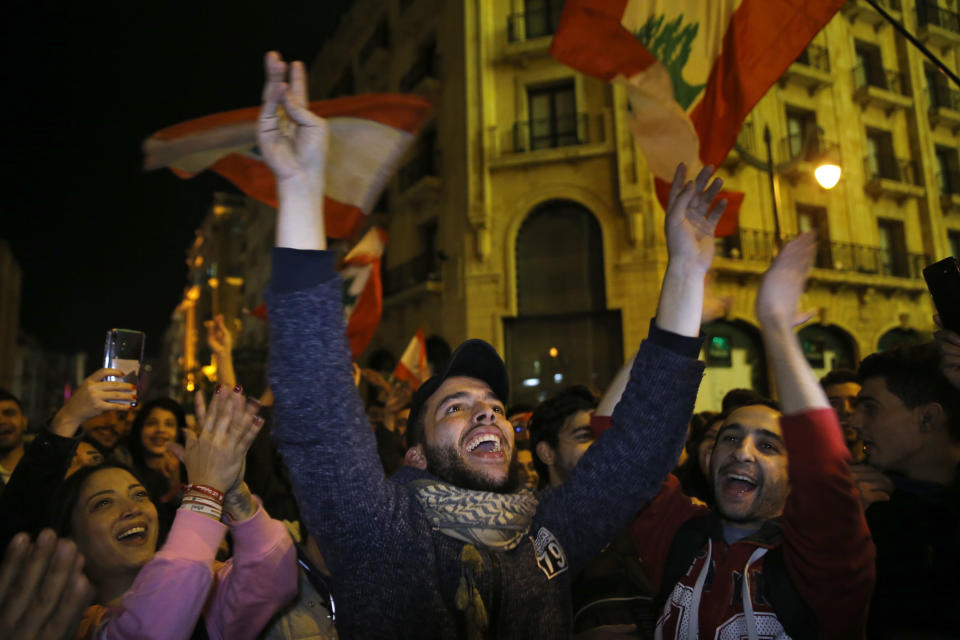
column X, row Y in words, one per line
column 827, row 175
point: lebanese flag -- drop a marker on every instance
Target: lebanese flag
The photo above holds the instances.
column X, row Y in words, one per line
column 363, row 289
column 369, row 135
column 693, row 69
column 413, row 366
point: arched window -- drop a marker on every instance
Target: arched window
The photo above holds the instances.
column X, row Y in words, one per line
column 827, row 348
column 563, row 334
column 735, row 359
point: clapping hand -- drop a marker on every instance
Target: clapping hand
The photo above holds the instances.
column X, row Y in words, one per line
column 215, row 457
column 784, row 282
column 43, row 592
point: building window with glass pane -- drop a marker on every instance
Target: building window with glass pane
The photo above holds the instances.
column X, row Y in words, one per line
column 553, row 116
column 892, row 250
column 542, row 17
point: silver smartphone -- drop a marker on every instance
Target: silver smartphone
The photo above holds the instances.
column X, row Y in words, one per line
column 124, row 351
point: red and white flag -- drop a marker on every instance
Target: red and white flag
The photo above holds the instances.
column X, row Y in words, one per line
column 363, row 289
column 369, row 135
column 693, row 69
column 413, row 366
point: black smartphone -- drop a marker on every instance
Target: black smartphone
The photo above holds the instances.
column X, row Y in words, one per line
column 124, row 350
column 943, row 281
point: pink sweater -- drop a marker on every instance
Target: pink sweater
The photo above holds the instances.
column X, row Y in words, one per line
column 180, row 583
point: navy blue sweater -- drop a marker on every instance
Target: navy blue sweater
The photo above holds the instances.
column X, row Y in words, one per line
column 393, row 575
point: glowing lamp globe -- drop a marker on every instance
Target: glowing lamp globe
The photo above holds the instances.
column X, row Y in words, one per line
column 828, row 175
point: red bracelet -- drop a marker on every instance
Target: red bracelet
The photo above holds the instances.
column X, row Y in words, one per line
column 206, row 490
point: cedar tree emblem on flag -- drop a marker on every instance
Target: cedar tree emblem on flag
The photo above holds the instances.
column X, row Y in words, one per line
column 369, row 135
column 693, row 69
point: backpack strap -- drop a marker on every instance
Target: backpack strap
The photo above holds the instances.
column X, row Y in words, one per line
column 687, row 543
column 795, row 615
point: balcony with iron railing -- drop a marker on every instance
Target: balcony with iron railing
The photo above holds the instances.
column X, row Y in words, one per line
column 948, row 182
column 861, row 10
column 937, row 25
column 897, row 178
column 808, row 147
column 424, row 268
column 943, row 106
column 811, row 69
column 751, row 250
column 886, row 89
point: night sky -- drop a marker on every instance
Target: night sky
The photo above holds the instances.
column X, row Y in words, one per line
column 101, row 242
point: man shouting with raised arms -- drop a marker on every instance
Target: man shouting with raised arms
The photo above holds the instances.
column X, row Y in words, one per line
column 448, row 547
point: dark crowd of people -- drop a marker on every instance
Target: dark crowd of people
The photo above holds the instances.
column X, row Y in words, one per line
column 344, row 503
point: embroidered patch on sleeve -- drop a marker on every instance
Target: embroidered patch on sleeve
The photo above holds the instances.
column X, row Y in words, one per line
column 550, row 556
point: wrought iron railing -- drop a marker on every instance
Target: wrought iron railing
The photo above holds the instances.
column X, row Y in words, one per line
column 949, row 182
column 425, row 67
column 546, row 133
column 816, row 57
column 425, row 267
column 807, row 146
column 929, row 13
column 888, row 167
column 941, row 96
column 758, row 246
column 888, row 79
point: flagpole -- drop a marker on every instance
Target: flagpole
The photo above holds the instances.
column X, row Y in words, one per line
column 913, row 40
column 774, row 188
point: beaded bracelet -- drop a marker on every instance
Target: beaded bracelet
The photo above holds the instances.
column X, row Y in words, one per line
column 206, row 490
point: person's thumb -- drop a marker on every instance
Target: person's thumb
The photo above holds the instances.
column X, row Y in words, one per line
column 180, row 450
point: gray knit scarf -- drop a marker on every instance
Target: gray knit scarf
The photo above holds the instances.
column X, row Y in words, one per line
column 496, row 521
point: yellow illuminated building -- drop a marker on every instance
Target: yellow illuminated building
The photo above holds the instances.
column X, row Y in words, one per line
column 526, row 215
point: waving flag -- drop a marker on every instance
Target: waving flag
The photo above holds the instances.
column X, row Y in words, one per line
column 369, row 135
column 363, row 289
column 693, row 69
column 413, row 366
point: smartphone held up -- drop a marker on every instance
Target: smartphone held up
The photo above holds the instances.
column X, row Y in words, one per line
column 943, row 281
column 124, row 351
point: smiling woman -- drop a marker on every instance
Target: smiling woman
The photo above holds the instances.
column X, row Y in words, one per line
column 145, row 593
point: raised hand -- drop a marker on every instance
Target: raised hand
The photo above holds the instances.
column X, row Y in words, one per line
column 293, row 141
column 219, row 339
column 216, row 456
column 690, row 222
column 783, row 283
column 94, row 396
column 43, row 592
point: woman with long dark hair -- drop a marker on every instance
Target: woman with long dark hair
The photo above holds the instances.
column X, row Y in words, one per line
column 145, row 593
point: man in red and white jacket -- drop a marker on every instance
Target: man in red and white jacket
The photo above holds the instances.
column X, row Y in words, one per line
column 785, row 552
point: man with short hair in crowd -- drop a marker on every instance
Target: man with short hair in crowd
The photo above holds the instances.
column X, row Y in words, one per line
column 612, row 597
column 448, row 547
column 785, row 551
column 13, row 424
column 104, row 431
column 907, row 414
column 842, row 387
